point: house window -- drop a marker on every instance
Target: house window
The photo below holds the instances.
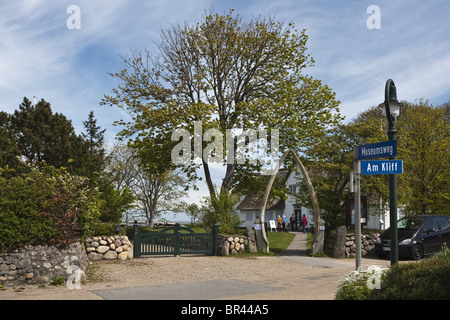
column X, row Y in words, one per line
column 249, row 216
column 292, row 188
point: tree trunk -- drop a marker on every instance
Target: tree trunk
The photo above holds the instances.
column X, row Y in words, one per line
column 226, row 183
column 209, row 182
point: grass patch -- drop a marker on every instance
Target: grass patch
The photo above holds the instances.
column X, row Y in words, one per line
column 279, row 241
column 58, row 281
column 309, row 241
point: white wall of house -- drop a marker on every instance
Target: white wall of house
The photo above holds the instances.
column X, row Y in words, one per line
column 379, row 217
column 291, row 203
column 248, row 217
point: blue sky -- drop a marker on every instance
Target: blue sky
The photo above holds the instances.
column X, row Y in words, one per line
column 40, row 56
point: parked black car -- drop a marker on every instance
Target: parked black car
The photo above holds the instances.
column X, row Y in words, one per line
column 417, row 236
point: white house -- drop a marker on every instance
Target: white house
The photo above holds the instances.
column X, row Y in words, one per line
column 249, row 207
column 373, row 216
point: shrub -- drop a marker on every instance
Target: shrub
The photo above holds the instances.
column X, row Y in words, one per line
column 47, row 208
column 72, row 207
column 20, row 200
column 102, row 228
column 221, row 210
column 428, row 279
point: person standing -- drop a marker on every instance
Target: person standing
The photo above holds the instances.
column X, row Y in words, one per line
column 304, row 223
column 293, row 222
column 280, row 222
column 284, row 223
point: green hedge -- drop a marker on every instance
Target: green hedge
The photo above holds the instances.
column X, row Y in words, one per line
column 46, row 208
column 428, row 279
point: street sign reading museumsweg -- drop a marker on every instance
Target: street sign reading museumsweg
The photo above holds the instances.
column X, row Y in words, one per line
column 378, row 150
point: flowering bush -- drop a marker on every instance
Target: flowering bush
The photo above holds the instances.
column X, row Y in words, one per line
column 72, row 208
column 359, row 284
column 47, row 208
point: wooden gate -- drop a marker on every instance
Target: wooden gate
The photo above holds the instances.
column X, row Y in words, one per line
column 175, row 240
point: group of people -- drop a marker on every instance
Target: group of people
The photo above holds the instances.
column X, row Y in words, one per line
column 282, row 222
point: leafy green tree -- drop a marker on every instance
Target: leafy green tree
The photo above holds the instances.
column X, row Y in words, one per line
column 330, row 162
column 9, row 152
column 73, row 207
column 95, row 161
column 228, row 73
column 114, row 201
column 329, row 165
column 192, row 210
column 423, row 144
column 154, row 193
column 41, row 135
column 44, row 138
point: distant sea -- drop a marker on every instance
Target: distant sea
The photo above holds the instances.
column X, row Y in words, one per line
column 182, row 222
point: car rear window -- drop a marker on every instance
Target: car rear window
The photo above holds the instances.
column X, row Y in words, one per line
column 444, row 222
column 431, row 224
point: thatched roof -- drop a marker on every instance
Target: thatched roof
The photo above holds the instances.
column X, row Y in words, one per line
column 254, row 201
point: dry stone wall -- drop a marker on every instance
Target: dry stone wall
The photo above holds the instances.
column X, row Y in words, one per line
column 237, row 244
column 108, row 247
column 339, row 244
column 367, row 244
column 41, row 264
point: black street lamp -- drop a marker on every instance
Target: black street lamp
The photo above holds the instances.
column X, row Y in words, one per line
column 392, row 109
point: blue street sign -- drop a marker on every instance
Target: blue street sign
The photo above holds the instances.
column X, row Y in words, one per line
column 381, row 167
column 378, row 150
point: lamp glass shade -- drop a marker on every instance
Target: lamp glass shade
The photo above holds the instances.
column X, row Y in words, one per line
column 394, row 108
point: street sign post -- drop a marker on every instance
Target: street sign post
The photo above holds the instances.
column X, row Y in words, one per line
column 373, row 167
column 386, row 149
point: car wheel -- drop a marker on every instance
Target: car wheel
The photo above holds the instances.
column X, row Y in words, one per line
column 416, row 252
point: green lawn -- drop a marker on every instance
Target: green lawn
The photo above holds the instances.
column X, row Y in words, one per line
column 279, row 241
